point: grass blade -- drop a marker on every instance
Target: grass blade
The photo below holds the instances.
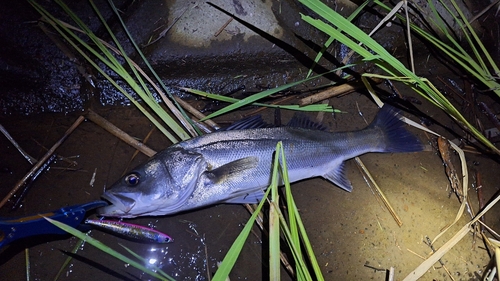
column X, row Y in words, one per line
column 78, row 246
column 455, row 51
column 298, row 232
column 99, row 245
column 312, row 107
column 253, row 98
column 143, row 91
column 331, row 39
column 384, row 60
column 110, row 61
column 230, row 259
column 274, row 220
column 170, row 101
column 279, row 175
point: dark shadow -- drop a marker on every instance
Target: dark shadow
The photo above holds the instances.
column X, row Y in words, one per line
column 327, row 56
column 297, row 54
column 18, row 246
column 101, row 267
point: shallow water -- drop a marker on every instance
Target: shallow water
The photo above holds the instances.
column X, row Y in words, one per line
column 347, row 230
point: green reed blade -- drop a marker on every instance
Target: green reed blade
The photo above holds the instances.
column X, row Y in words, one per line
column 99, row 245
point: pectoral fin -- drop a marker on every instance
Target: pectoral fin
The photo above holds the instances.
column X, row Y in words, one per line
column 231, row 175
column 337, row 176
column 229, row 171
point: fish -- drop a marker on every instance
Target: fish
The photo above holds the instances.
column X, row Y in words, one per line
column 134, row 231
column 234, row 166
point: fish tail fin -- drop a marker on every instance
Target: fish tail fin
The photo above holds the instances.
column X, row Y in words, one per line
column 396, row 138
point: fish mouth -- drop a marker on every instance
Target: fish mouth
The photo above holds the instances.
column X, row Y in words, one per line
column 120, row 206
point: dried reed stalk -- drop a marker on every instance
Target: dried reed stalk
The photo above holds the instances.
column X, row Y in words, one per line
column 42, row 161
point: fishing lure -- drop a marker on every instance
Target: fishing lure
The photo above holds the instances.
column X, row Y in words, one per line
column 134, row 231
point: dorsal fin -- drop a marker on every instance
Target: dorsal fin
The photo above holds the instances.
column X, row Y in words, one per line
column 252, row 122
column 302, row 121
column 255, row 122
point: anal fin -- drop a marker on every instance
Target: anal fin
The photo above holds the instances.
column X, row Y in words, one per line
column 337, row 176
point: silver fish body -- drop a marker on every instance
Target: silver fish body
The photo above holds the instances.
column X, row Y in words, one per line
column 235, row 166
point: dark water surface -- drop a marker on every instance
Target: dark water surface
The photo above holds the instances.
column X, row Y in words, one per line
column 347, row 230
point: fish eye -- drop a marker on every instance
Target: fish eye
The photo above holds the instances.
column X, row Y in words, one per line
column 132, row 179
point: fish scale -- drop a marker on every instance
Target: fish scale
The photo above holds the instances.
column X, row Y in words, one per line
column 234, row 166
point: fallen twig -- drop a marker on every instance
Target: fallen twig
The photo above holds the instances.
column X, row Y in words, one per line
column 137, row 151
column 164, row 32
column 423, row 267
column 491, row 269
column 429, row 243
column 223, row 26
column 374, row 268
column 29, row 182
column 30, row 159
column 59, row 157
column 196, row 113
column 451, row 172
column 260, row 222
column 69, row 53
column 413, row 252
column 334, row 91
column 478, row 15
column 42, row 160
column 105, row 124
column 490, row 230
column 480, row 199
column 379, row 192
